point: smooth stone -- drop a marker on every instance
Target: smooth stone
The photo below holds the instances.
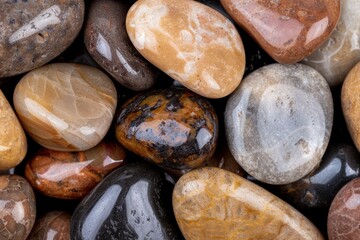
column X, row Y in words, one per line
column 335, row 58
column 53, row 225
column 278, row 122
column 13, row 144
column 339, row 165
column 72, row 175
column 173, row 128
column 17, row 208
column 211, row 203
column 133, row 202
column 66, row 107
column 344, row 213
column 34, row 32
column 189, row 41
column 287, row 30
column 108, row 43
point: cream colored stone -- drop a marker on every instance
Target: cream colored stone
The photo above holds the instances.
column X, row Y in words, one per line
column 189, row 41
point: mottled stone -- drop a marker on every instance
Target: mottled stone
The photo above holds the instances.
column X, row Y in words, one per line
column 344, row 213
column 189, row 41
column 34, row 32
column 278, row 122
column 72, row 175
column 17, row 208
column 13, row 144
column 66, row 107
column 211, row 203
column 173, row 128
column 53, row 225
column 108, row 43
column 287, row 30
column 133, row 202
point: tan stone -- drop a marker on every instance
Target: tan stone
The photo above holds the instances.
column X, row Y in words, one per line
column 13, row 144
column 190, row 42
column 211, row 203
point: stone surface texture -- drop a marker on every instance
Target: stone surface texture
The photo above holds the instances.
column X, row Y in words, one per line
column 34, row 32
column 211, row 203
column 287, row 30
column 278, row 122
column 66, row 107
column 13, row 144
column 190, row 42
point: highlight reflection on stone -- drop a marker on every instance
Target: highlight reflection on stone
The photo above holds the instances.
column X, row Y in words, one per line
column 66, row 107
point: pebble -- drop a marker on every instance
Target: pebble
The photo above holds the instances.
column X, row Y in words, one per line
column 278, row 122
column 189, row 41
column 66, row 107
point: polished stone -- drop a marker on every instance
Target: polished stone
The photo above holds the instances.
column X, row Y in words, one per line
column 344, row 213
column 287, row 30
column 34, row 32
column 173, row 128
column 133, row 202
column 17, row 208
column 66, row 107
column 13, row 144
column 211, row 203
column 278, row 122
column 72, row 175
column 189, row 41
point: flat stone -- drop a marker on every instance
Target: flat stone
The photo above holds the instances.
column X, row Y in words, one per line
column 174, row 128
column 211, row 203
column 17, row 208
column 335, row 58
column 72, row 175
column 287, row 30
column 189, row 41
column 66, row 107
column 278, row 122
column 13, row 144
column 108, row 43
column 34, row 32
column 344, row 213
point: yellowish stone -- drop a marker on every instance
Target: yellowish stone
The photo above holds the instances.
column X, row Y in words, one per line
column 189, row 41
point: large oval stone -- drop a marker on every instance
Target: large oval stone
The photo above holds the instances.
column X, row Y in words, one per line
column 173, row 128
column 211, row 203
column 278, row 122
column 133, row 202
column 287, row 30
column 190, row 42
column 34, row 32
column 66, row 107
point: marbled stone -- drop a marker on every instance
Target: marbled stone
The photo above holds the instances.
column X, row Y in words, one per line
column 278, row 122
column 13, row 144
column 344, row 213
column 108, row 43
column 335, row 58
column 189, row 41
column 17, row 208
column 173, row 128
column 72, row 175
column 287, row 30
column 53, row 225
column 34, row 32
column 66, row 107
column 339, row 165
column 133, row 202
column 211, row 203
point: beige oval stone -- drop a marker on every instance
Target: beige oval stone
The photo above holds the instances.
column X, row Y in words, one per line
column 66, row 107
column 211, row 203
column 190, row 42
column 13, row 144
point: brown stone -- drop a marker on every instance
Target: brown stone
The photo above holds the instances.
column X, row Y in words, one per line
column 287, row 30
